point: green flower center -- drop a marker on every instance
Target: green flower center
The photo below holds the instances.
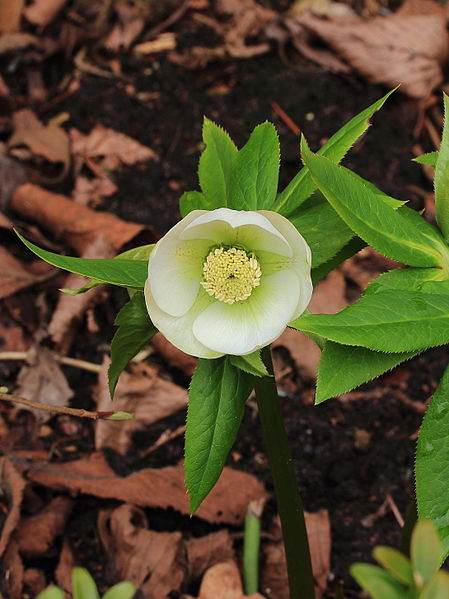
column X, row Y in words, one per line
column 230, row 275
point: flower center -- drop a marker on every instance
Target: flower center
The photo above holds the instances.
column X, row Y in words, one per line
column 230, row 275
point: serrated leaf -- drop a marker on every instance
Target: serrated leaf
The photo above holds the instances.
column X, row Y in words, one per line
column 389, row 321
column 135, row 330
column 83, row 585
column 302, row 186
column 255, row 173
column 409, row 279
column 51, row 592
column 345, row 367
column 425, row 551
column 430, row 158
column 350, row 249
column 437, row 587
column 216, row 166
column 251, row 363
column 122, row 590
column 396, row 563
column 407, row 238
column 192, row 200
column 441, row 180
column 124, row 273
column 432, row 464
column 217, row 396
column 378, row 583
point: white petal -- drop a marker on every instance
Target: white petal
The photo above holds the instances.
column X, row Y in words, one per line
column 252, row 230
column 245, row 326
column 178, row 330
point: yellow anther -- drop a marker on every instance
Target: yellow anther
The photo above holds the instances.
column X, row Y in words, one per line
column 230, row 275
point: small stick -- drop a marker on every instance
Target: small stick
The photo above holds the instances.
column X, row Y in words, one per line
column 394, row 508
column 80, row 413
column 284, row 116
column 82, row 364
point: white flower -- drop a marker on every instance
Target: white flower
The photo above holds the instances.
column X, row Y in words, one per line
column 228, row 281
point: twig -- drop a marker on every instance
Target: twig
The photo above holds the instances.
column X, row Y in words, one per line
column 175, row 16
column 82, row 364
column 165, row 437
column 394, row 508
column 80, row 413
column 284, row 116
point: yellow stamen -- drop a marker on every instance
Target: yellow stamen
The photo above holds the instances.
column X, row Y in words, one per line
column 230, row 275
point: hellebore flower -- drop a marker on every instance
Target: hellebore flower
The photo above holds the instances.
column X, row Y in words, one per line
column 228, row 281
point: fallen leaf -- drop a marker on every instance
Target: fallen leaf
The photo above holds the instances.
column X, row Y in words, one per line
column 49, row 141
column 396, row 49
column 12, row 175
column 34, row 581
column 42, row 12
column 223, row 582
column 130, row 25
column 12, row 486
column 90, row 192
column 164, row 41
column 12, row 573
column 274, row 575
column 153, row 561
column 63, row 571
column 5, row 223
column 422, row 7
column 174, row 356
column 43, row 380
column 205, row 552
column 16, row 275
column 140, row 391
column 36, row 534
column 11, row 42
column 78, row 225
column 161, row 488
column 323, row 8
column 12, row 337
column 10, row 15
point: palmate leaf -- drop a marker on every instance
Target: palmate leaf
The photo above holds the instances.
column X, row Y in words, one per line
column 302, row 186
column 441, row 180
column 399, row 234
column 255, row 174
column 217, row 396
column 134, row 332
column 388, row 321
column 121, row 272
column 432, row 464
column 345, row 367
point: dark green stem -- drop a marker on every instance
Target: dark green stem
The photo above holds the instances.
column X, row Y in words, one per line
column 410, row 520
column 291, row 511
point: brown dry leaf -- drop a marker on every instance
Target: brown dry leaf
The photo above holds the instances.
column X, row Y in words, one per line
column 140, row 391
column 42, row 12
column 36, row 534
column 396, row 49
column 12, row 486
column 10, row 15
column 70, row 309
column 12, row 573
column 205, row 552
column 113, row 147
column 11, row 42
column 34, row 581
column 223, row 582
column 162, row 488
column 174, row 356
column 274, row 575
column 328, row 297
column 43, row 380
column 90, row 192
column 16, row 275
column 12, row 337
column 153, row 561
column 78, row 225
column 422, row 7
column 130, row 25
column 323, row 8
column 66, row 562
column 5, row 223
column 164, row 41
column 49, row 141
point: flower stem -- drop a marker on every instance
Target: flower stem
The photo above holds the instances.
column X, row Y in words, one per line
column 291, row 511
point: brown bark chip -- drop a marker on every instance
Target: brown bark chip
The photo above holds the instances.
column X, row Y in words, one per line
column 153, row 561
column 15, row 275
column 11, row 583
column 205, row 552
column 12, row 486
column 160, row 488
column 223, row 581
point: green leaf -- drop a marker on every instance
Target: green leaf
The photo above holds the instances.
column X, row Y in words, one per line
column 192, row 200
column 122, row 590
column 251, row 363
column 425, row 551
column 255, row 175
column 216, row 166
column 432, row 464
column 135, row 330
column 395, row 563
column 344, row 367
column 83, row 585
column 441, row 180
column 217, row 396
column 407, row 238
column 351, row 248
column 51, row 592
column 408, row 279
column 302, row 186
column 388, row 321
column 116, row 271
column 378, row 583
column 430, row 158
column 437, row 587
